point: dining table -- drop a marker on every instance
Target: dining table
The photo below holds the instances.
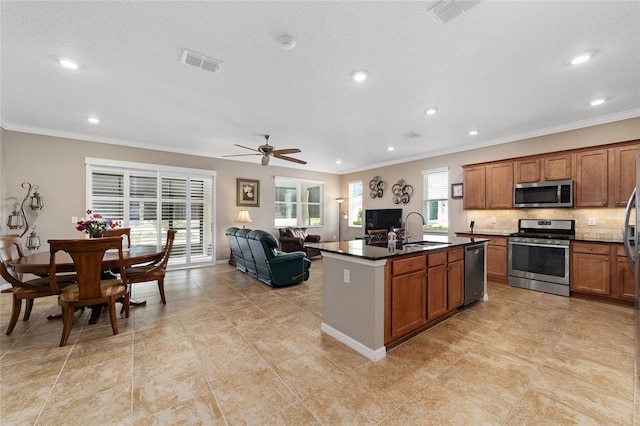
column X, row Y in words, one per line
column 38, row 264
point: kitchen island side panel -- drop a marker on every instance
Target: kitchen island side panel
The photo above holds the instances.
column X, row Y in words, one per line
column 355, row 309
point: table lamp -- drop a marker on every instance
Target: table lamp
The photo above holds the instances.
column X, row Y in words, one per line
column 243, row 217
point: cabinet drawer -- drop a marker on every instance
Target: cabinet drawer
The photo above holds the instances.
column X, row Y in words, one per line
column 497, row 241
column 591, row 248
column 437, row 259
column 454, row 255
column 620, row 251
column 410, row 264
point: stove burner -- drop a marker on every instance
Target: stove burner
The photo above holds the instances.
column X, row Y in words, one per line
column 546, row 235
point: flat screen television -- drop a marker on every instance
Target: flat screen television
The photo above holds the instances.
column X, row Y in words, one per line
column 382, row 219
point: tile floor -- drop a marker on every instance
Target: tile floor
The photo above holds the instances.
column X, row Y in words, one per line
column 229, row 350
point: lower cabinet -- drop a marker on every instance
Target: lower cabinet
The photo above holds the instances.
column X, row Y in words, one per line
column 421, row 289
column 496, row 253
column 602, row 269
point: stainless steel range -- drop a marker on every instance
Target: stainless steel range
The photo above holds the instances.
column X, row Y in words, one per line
column 538, row 255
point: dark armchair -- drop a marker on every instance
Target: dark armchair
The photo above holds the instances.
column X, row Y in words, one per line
column 294, row 239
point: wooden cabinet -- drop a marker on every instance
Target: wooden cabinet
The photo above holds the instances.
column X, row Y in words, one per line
column 591, row 268
column 624, row 283
column 526, row 171
column 499, row 186
column 455, row 279
column 591, row 184
column 474, row 188
column 557, row 167
column 497, row 259
column 622, row 174
column 408, row 297
column 488, row 186
column 437, row 286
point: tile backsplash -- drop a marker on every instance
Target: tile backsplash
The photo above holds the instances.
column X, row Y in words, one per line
column 608, row 222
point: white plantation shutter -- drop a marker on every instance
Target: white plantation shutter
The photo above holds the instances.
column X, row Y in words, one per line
column 436, row 199
column 151, row 201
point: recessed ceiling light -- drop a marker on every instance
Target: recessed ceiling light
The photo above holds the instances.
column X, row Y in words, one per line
column 597, row 102
column 338, row 161
column 286, row 42
column 390, row 148
column 431, row 111
column 360, row 76
column 93, row 120
column 68, row 63
column 581, row 58
column 474, row 132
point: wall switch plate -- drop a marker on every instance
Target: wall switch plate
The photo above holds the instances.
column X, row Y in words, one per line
column 347, row 276
column 74, row 219
column 591, row 221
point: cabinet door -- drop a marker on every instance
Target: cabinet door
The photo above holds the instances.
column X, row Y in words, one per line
column 500, row 186
column 591, row 178
column 408, row 303
column 474, row 188
column 591, row 273
column 436, row 292
column 526, row 171
column 625, row 283
column 557, row 167
column 623, row 174
column 497, row 258
column 455, row 285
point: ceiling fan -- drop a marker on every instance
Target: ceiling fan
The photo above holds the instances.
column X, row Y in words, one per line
column 267, row 151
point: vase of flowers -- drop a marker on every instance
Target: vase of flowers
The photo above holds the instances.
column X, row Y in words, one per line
column 95, row 225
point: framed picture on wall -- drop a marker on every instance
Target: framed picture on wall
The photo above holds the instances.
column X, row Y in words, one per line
column 456, row 190
column 247, row 192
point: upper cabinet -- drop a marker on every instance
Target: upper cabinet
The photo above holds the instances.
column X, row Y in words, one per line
column 603, row 176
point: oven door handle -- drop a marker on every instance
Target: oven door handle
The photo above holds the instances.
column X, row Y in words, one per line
column 511, row 243
column 625, row 229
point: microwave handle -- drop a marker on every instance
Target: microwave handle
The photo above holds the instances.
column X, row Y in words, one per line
column 625, row 229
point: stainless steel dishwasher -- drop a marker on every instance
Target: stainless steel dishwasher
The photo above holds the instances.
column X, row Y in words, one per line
column 474, row 273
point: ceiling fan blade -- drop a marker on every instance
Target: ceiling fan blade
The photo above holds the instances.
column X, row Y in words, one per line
column 265, row 160
column 239, row 155
column 246, row 147
column 295, row 160
column 286, row 151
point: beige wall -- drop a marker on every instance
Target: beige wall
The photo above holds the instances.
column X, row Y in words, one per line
column 57, row 166
column 411, row 172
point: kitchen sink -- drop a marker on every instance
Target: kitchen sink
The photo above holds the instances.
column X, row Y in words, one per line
column 424, row 244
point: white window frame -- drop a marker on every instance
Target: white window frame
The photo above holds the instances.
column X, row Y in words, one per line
column 300, row 204
column 355, row 204
column 426, row 199
column 96, row 164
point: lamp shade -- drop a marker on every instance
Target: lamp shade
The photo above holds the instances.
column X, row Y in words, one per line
column 33, row 240
column 340, row 200
column 15, row 220
column 36, row 201
column 243, row 217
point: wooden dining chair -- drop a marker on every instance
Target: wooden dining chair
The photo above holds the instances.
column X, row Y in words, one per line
column 119, row 232
column 90, row 289
column 377, row 234
column 154, row 271
column 11, row 250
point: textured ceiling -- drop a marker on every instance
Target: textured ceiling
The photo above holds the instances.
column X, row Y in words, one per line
column 499, row 67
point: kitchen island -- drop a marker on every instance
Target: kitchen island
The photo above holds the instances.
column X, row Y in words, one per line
column 375, row 296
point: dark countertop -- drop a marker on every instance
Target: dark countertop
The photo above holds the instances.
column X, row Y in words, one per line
column 609, row 240
column 360, row 248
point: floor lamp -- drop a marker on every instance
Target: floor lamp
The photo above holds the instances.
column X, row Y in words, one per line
column 340, row 201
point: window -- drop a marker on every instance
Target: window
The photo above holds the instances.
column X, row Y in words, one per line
column 355, row 204
column 151, row 199
column 298, row 202
column 436, row 203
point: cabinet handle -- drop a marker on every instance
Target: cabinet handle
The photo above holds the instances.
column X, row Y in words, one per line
column 604, row 203
column 619, row 260
column 606, row 259
column 590, row 248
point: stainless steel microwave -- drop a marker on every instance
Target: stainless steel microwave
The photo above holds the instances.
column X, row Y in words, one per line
column 549, row 194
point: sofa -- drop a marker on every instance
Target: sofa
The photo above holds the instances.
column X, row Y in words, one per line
column 293, row 239
column 256, row 254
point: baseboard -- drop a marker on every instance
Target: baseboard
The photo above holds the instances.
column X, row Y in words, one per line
column 372, row 354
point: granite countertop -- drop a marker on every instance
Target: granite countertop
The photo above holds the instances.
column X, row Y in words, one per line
column 364, row 250
column 586, row 238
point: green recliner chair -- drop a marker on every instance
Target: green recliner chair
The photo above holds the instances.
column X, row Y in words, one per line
column 276, row 268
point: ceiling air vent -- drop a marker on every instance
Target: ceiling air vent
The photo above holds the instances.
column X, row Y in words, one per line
column 200, row 61
column 446, row 10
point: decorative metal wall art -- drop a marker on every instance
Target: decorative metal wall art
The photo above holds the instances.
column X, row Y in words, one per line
column 402, row 192
column 377, row 187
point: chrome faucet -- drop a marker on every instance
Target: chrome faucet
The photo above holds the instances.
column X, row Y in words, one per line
column 406, row 224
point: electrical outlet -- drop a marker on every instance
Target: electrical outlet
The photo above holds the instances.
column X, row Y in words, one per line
column 592, row 221
column 74, row 219
column 494, row 220
column 347, row 276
